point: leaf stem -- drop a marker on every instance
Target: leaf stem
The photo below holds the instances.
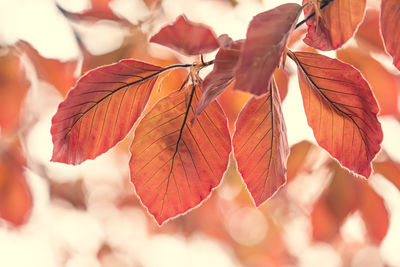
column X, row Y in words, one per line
column 323, row 6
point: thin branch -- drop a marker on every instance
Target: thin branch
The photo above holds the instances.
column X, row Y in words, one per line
column 323, row 6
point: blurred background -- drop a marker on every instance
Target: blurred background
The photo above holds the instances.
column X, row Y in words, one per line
column 53, row 215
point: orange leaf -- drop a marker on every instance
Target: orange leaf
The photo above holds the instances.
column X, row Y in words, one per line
column 345, row 195
column 373, row 211
column 297, row 159
column 266, row 40
column 59, row 74
column 13, row 88
column 260, row 145
column 383, row 83
column 390, row 170
column 337, row 202
column 187, row 37
column 15, row 196
column 339, row 22
column 282, row 77
column 368, row 35
column 390, row 23
column 174, row 166
column 101, row 109
column 341, row 110
column 221, row 75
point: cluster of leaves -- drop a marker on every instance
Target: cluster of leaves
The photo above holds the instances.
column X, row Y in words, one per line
column 182, row 145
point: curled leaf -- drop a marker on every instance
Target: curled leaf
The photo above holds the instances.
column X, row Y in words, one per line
column 265, row 43
column 390, row 23
column 187, row 37
column 175, row 165
column 340, row 20
column 341, row 110
column 221, row 75
column 101, row 109
column 261, row 146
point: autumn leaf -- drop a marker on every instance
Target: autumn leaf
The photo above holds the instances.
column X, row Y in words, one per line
column 298, row 159
column 59, row 74
column 340, row 20
column 265, row 43
column 337, row 202
column 261, row 146
column 187, row 37
column 341, row 110
column 13, row 88
column 101, row 109
column 390, row 170
column 221, row 75
column 345, row 195
column 390, row 23
column 175, row 165
column 368, row 35
column 384, row 84
column 15, row 196
column 281, row 77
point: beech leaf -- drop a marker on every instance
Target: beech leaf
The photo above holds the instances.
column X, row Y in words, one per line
column 341, row 109
column 261, row 146
column 383, row 83
column 187, row 37
column 266, row 40
column 101, row 109
column 175, row 165
column 222, row 74
column 390, row 23
column 338, row 23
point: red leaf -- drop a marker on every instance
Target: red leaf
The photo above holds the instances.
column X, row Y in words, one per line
column 13, row 88
column 174, row 166
column 101, row 109
column 187, row 37
column 341, row 17
column 266, row 40
column 221, row 75
column 59, row 74
column 260, row 145
column 341, row 110
column 15, row 196
column 390, row 23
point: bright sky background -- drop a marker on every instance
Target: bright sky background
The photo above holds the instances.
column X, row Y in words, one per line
column 52, row 229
